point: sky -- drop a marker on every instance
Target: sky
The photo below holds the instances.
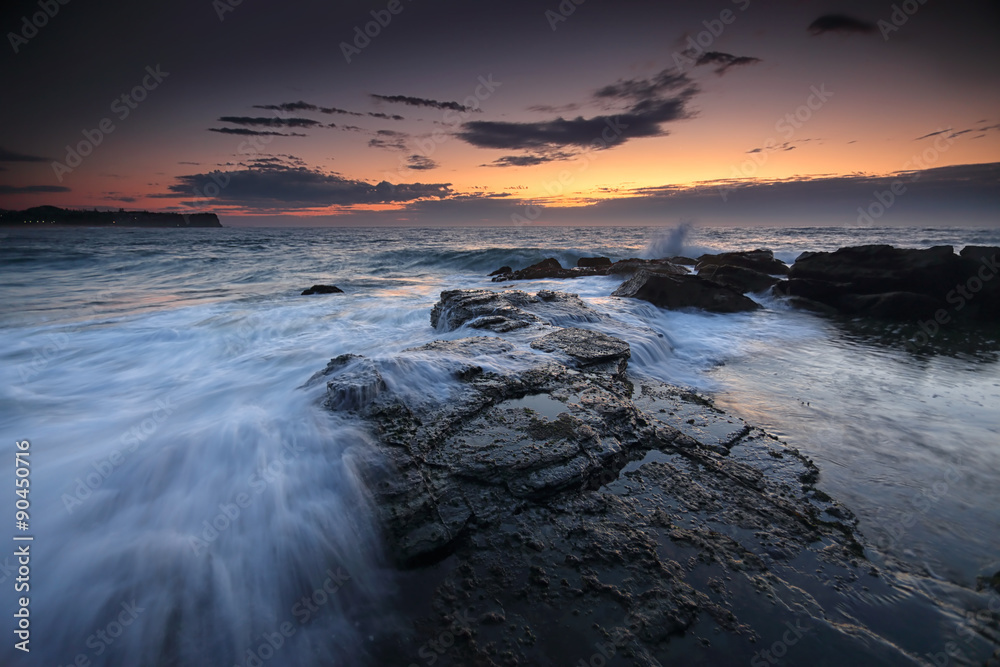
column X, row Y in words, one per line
column 733, row 112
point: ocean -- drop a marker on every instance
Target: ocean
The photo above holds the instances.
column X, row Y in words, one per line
column 189, row 494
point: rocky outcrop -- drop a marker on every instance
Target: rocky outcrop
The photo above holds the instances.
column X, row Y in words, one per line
column 547, row 268
column 508, row 310
column 587, row 262
column 761, row 260
column 899, row 283
column 322, row 289
column 627, row 267
column 669, row 291
column 563, row 490
column 739, row 278
column 587, row 266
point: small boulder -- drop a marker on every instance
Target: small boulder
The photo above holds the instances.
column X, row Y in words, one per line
column 502, row 271
column 593, row 261
column 675, row 292
column 322, row 289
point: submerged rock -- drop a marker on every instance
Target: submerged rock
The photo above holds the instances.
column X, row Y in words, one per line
column 668, row 291
column 322, row 289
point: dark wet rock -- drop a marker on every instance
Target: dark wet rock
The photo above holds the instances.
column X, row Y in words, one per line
column 891, row 305
column 669, row 291
column 554, row 509
column 482, row 309
column 322, row 289
column 587, row 348
column 738, row 277
column 634, row 265
column 358, row 382
column 547, row 268
column 761, row 260
column 978, row 253
column 588, row 266
column 509, row 310
column 877, row 269
column 543, row 487
column 891, row 283
column 593, row 261
column 684, row 261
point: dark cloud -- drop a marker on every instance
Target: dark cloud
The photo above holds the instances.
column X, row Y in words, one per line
column 649, row 107
column 253, row 133
column 643, row 120
column 11, row 156
column 645, row 89
column 31, row 189
column 345, row 112
column 545, row 108
column 269, row 122
column 724, row 61
column 840, row 23
column 305, row 106
column 288, row 106
column 422, row 102
column 275, row 188
column 953, row 133
column 376, row 114
column 420, row 163
column 519, row 161
column 389, row 140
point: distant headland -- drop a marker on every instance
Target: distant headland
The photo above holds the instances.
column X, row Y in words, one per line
column 62, row 217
